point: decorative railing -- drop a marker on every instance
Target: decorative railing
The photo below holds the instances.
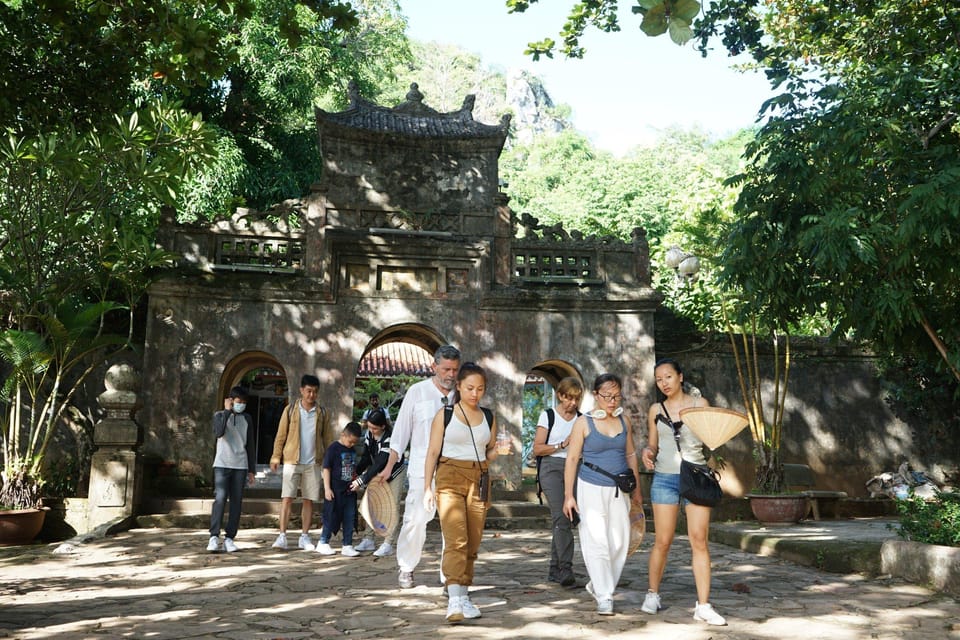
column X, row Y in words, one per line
column 249, row 253
column 542, row 265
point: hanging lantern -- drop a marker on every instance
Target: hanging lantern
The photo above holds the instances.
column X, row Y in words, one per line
column 674, row 256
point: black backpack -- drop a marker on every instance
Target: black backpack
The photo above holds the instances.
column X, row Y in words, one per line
column 448, row 414
column 551, row 416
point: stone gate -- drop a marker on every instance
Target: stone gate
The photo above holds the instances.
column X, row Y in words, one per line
column 405, row 237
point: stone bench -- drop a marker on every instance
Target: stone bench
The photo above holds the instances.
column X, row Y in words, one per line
column 799, row 477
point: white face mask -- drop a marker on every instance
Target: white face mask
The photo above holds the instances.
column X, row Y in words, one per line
column 600, row 414
column 238, row 407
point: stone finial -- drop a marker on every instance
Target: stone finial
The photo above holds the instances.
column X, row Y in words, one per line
column 414, row 94
column 122, row 382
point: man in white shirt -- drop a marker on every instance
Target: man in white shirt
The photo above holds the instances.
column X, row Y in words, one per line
column 412, row 426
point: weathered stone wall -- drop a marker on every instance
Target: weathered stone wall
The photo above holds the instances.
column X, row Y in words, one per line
column 197, row 325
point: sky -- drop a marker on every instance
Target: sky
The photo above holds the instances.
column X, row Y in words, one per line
column 628, row 86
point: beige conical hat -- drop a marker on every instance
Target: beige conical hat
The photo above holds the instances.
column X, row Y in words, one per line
column 638, row 526
column 713, row 425
column 379, row 508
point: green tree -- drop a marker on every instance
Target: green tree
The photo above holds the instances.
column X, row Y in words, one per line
column 77, row 214
column 851, row 203
column 263, row 107
column 673, row 17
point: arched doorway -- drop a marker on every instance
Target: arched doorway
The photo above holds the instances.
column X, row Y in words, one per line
column 264, row 378
column 538, row 394
column 395, row 358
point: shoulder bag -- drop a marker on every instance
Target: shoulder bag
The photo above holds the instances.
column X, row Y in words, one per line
column 698, row 483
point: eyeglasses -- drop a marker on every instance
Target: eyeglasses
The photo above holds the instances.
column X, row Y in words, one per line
column 617, row 397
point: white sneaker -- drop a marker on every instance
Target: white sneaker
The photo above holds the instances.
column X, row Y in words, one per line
column 470, row 610
column 366, row 545
column 705, row 613
column 229, row 546
column 406, row 579
column 214, row 544
column 325, row 549
column 651, row 602
column 280, row 542
column 385, row 549
column 349, row 550
column 455, row 609
column 605, row 607
column 305, row 542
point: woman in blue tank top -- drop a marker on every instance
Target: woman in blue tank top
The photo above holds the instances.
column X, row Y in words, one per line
column 604, row 440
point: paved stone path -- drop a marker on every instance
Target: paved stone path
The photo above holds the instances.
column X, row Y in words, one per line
column 162, row 584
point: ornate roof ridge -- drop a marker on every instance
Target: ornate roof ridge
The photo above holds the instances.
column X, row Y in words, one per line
column 413, row 117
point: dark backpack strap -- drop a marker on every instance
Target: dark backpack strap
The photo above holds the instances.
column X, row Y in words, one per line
column 551, row 414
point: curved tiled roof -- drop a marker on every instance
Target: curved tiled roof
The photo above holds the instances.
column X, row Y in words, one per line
column 412, row 118
column 396, row 359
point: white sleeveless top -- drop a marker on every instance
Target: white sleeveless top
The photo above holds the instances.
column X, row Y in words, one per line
column 457, row 443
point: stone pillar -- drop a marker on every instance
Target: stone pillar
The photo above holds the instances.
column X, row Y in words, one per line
column 115, row 469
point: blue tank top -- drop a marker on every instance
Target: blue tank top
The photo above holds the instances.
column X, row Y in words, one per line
column 608, row 453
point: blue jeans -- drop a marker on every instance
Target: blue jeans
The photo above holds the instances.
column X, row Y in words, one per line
column 227, row 485
column 666, row 489
column 341, row 511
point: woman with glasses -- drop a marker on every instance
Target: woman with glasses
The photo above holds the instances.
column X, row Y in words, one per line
column 663, row 457
column 603, row 438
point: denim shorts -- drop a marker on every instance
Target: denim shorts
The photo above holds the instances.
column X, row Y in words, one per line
column 666, row 489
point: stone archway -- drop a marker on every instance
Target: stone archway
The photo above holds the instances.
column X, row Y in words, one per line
column 546, row 374
column 268, row 394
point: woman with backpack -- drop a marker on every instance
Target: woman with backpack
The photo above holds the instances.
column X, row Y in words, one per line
column 550, row 447
column 461, row 449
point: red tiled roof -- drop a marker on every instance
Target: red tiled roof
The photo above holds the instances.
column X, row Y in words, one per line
column 396, row 359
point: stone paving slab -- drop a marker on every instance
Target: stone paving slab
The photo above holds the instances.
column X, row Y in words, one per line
column 161, row 583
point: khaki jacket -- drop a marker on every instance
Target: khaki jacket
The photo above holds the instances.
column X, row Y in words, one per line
column 286, row 446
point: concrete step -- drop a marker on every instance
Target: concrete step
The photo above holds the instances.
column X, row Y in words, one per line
column 261, row 512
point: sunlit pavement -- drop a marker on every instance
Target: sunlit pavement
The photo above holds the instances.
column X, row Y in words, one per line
column 161, row 583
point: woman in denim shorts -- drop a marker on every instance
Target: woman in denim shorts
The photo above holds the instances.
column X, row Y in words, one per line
column 662, row 457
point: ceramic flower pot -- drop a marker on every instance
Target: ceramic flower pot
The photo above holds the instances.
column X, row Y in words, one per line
column 778, row 509
column 20, row 526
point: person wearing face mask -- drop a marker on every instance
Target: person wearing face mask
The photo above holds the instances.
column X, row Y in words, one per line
column 233, row 466
column 419, row 407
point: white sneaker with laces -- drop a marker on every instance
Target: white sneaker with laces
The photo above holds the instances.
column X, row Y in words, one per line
column 325, row 549
column 705, row 613
column 280, row 542
column 229, row 546
column 349, row 550
column 366, row 545
column 605, row 607
column 454, row 609
column 470, row 610
column 651, row 602
column 305, row 542
column 214, row 544
column 406, row 579
column 385, row 549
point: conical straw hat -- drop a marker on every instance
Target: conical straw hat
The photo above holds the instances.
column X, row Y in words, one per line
column 713, row 425
column 379, row 508
column 638, row 526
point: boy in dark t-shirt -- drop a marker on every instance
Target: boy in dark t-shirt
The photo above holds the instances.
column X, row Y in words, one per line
column 340, row 502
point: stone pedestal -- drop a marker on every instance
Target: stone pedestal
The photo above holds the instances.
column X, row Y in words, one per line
column 115, row 466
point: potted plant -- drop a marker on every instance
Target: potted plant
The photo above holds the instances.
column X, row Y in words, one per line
column 79, row 213
column 768, row 499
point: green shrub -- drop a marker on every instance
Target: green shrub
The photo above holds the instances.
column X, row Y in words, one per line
column 933, row 522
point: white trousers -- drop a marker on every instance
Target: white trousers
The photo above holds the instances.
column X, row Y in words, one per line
column 604, row 535
column 413, row 532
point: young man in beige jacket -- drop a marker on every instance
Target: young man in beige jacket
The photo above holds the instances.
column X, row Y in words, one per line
column 302, row 438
